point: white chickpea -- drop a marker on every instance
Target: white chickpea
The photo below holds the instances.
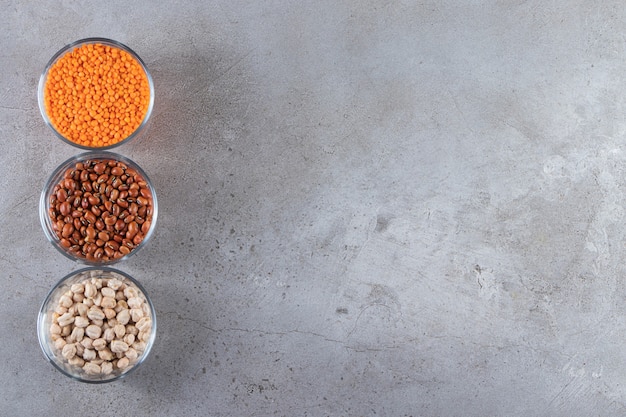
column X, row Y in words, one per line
column 76, row 361
column 129, row 339
column 60, row 343
column 109, row 335
column 65, row 319
column 91, row 368
column 121, row 305
column 109, row 313
column 136, row 314
column 93, row 331
column 130, row 292
column 118, row 346
column 87, row 343
column 69, row 351
column 81, row 309
column 89, row 354
column 77, row 334
column 120, row 330
column 95, row 313
column 78, row 288
column 105, row 354
column 90, row 290
column 99, row 344
column 55, row 328
column 131, row 329
column 66, row 301
column 123, row 316
column 114, row 284
column 106, row 368
column 108, row 292
column 108, row 302
column 123, row 363
column 139, row 346
column 131, row 354
column 97, row 299
column 144, row 324
column 81, row 321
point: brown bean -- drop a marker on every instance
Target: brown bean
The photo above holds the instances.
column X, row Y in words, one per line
column 96, row 211
column 93, row 200
column 133, row 228
column 90, row 217
column 61, row 195
column 120, row 225
column 110, row 220
column 108, row 251
column 122, row 203
column 145, row 227
column 138, row 239
column 65, row 208
column 104, row 236
column 115, row 194
column 99, row 168
column 112, row 244
column 117, row 171
column 65, row 243
column 68, row 229
column 90, row 234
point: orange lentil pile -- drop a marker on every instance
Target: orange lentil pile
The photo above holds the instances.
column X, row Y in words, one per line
column 96, row 95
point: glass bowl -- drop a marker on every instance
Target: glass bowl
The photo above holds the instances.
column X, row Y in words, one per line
column 98, row 208
column 96, row 93
column 94, row 334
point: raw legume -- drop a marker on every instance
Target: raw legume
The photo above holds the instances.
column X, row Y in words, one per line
column 96, row 95
column 97, row 343
column 91, row 212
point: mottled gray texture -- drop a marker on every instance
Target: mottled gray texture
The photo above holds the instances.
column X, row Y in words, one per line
column 403, row 208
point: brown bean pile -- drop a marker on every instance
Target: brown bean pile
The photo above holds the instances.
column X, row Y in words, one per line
column 101, row 210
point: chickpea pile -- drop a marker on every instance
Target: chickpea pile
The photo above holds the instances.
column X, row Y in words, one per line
column 101, row 325
column 101, row 210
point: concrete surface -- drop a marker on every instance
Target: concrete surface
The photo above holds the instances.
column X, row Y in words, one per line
column 390, row 208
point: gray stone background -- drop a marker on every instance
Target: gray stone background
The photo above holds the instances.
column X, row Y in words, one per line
column 392, row 208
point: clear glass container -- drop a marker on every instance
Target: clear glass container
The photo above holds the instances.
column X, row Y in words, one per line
column 83, row 370
column 68, row 49
column 86, row 228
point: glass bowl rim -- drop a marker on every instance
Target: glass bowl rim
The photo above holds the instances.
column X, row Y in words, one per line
column 55, row 176
column 43, row 311
column 69, row 47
